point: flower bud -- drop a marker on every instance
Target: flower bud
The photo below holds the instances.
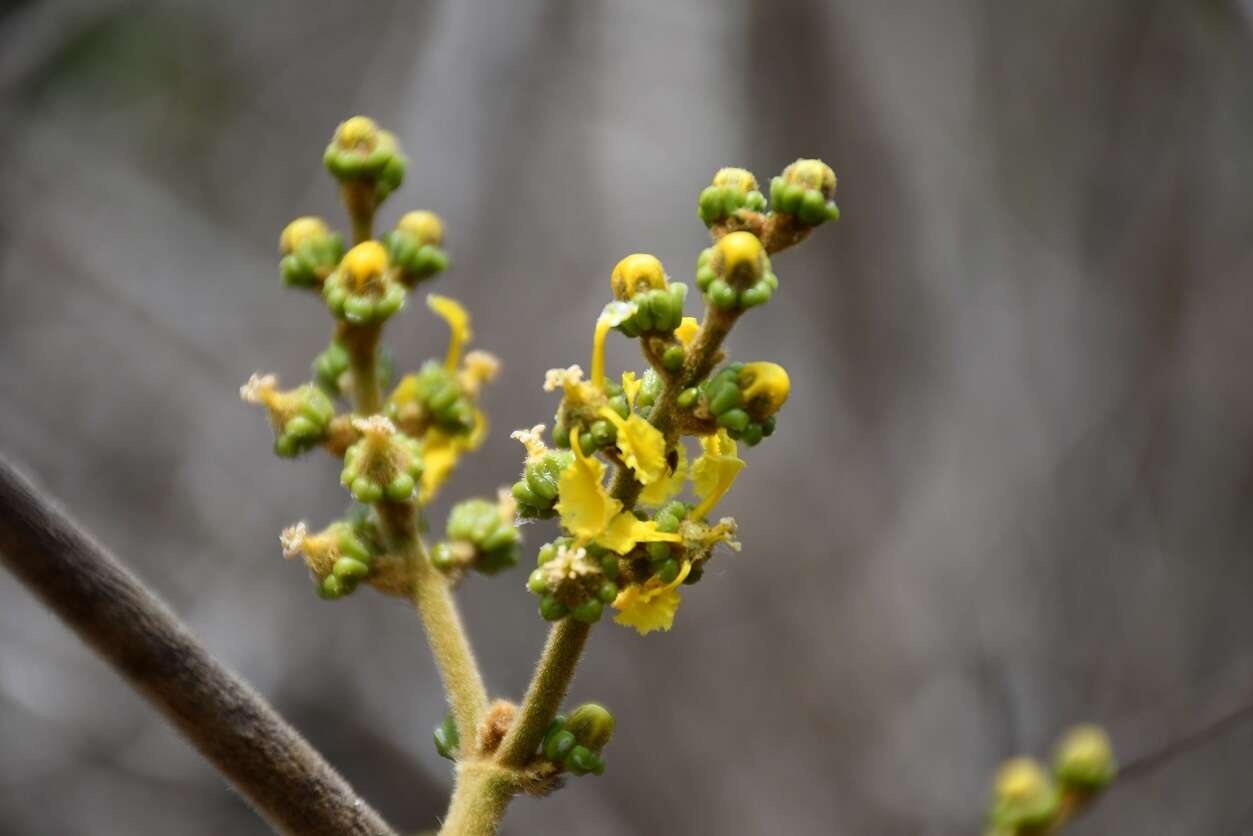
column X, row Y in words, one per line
column 309, row 252
column 1084, row 760
column 383, row 465
column 806, row 189
column 744, row 397
column 493, row 539
column 432, row 397
column 1024, row 796
column 338, row 557
column 732, row 189
column 735, row 274
column 592, row 725
column 637, row 273
column 361, row 152
column 300, row 416
column 414, row 247
column 536, row 491
column 362, row 290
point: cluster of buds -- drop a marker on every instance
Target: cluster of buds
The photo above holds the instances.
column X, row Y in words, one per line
column 613, row 551
column 398, row 447
column 480, row 535
column 573, row 743
column 1028, row 800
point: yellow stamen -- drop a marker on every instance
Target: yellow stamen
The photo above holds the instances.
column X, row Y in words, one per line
column 615, row 313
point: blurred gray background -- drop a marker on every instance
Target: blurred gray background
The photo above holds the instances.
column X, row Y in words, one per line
column 1011, row 489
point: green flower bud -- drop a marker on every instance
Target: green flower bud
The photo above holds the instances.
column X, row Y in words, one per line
column 338, row 557
column 592, row 725
column 414, row 247
column 382, row 464
column 582, row 761
column 482, row 525
column 536, row 492
column 300, row 416
column 806, row 189
column 558, row 743
column 363, row 290
column 361, row 152
column 735, row 274
column 432, row 396
column 588, row 611
column 309, row 252
column 732, row 189
column 447, row 738
column 550, row 609
column 1024, row 796
column 743, row 398
column 1084, row 761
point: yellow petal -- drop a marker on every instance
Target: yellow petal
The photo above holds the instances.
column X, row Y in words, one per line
column 586, row 508
column 642, row 446
column 624, row 532
column 651, row 606
column 615, row 313
column 458, row 323
column 440, row 453
column 687, row 330
column 663, row 490
column 715, row 471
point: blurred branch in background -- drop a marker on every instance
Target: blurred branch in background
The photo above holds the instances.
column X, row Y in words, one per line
column 285, row 780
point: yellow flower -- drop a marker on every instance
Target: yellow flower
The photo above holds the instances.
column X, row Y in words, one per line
column 652, row 605
column 364, row 263
column 663, row 490
column 441, row 452
column 642, row 445
column 458, row 323
column 687, row 331
column 715, row 471
column 615, row 313
column 590, row 514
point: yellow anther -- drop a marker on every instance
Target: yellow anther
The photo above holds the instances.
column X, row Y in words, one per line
column 423, row 225
column 364, row 262
column 767, row 381
column 636, row 272
column 739, row 178
column 359, row 130
column 299, row 231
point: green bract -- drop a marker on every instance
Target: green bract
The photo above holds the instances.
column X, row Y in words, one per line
column 447, row 738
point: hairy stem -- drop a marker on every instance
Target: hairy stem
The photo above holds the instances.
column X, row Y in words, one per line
column 362, row 342
column 458, row 670
column 480, row 800
column 282, row 777
column 546, row 692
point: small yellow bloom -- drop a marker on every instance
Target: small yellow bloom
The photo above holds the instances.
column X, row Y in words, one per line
column 364, row 262
column 635, row 273
column 642, row 445
column 585, row 506
column 687, row 331
column 458, row 321
column 767, row 381
column 715, row 471
column 590, row 514
column 652, row 605
column 299, row 231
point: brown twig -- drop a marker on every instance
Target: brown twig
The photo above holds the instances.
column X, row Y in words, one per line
column 284, row 779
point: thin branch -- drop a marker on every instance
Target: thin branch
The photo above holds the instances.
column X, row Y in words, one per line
column 284, row 779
